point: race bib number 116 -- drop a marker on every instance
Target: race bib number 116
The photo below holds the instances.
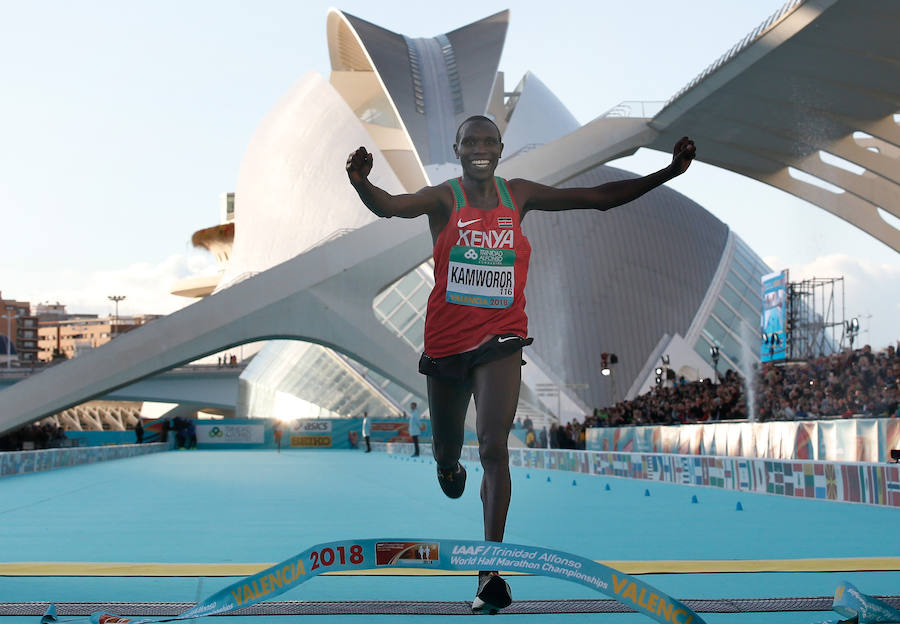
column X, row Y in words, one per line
column 481, row 277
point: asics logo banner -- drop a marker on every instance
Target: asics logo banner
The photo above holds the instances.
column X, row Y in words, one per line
column 492, row 239
column 461, row 223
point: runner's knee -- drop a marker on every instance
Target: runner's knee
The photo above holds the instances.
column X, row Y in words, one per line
column 492, row 450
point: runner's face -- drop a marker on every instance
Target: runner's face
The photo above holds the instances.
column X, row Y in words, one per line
column 479, row 149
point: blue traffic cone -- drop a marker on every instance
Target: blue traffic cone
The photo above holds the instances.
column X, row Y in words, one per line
column 739, row 507
column 607, row 488
column 694, row 499
column 646, row 492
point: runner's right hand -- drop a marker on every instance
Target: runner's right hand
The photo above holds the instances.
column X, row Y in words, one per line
column 359, row 165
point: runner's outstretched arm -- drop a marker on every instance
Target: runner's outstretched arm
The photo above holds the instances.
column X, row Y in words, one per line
column 428, row 200
column 534, row 196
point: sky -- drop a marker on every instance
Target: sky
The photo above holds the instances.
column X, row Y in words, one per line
column 121, row 123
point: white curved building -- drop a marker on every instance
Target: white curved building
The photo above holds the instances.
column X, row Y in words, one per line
column 627, row 282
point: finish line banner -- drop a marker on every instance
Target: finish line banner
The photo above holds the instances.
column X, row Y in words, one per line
column 370, row 554
column 421, row 553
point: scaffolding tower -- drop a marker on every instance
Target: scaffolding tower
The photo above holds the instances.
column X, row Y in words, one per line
column 815, row 317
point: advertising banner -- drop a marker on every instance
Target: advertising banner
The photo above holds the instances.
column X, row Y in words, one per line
column 772, row 329
column 709, row 441
column 804, row 440
column 845, row 436
column 671, row 439
column 720, row 434
column 643, row 439
column 854, row 439
column 231, row 434
column 623, row 439
column 867, row 440
column 788, row 432
column 890, row 436
column 827, row 439
column 760, row 439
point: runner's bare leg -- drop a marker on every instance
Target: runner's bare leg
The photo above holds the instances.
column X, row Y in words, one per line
column 448, row 402
column 496, row 388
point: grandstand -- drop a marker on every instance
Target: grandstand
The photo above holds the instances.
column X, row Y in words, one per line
column 841, row 385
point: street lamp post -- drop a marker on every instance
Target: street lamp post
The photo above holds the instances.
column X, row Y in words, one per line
column 116, row 299
column 714, row 354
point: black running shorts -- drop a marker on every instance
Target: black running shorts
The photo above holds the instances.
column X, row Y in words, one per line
column 459, row 367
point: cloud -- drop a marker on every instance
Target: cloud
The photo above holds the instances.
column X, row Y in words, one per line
column 869, row 289
column 145, row 285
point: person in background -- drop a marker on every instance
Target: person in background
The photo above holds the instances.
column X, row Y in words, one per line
column 277, row 430
column 414, row 426
column 191, row 433
column 367, row 431
column 139, row 431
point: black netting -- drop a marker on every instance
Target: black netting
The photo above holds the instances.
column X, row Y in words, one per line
column 397, row 607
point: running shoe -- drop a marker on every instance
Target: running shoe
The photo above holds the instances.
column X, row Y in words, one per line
column 493, row 594
column 452, row 480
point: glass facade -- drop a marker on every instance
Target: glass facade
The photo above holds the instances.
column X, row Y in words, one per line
column 733, row 323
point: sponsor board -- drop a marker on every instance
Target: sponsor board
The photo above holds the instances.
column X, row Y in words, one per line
column 317, row 441
column 231, row 434
column 408, row 553
column 390, row 426
column 312, row 426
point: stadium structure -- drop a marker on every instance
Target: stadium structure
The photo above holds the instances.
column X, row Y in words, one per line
column 659, row 277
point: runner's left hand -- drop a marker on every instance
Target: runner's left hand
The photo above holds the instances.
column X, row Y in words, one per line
column 682, row 155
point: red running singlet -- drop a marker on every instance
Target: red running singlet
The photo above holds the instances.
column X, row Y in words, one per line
column 480, row 267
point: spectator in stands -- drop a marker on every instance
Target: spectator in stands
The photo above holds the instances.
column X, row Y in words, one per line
column 530, row 438
column 842, row 384
column 139, row 431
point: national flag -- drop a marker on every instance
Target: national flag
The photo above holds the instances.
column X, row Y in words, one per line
column 714, row 474
column 730, row 475
column 850, row 479
column 831, row 485
column 877, row 473
column 505, row 222
column 892, row 485
column 819, row 482
column 808, row 481
column 777, row 473
column 684, row 467
column 744, row 478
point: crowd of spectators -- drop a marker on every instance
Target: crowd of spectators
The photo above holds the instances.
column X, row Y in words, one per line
column 34, row 436
column 570, row 436
column 845, row 384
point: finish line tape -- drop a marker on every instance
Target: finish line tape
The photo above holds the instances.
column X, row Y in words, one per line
column 657, row 566
column 459, row 555
column 860, row 608
column 422, row 553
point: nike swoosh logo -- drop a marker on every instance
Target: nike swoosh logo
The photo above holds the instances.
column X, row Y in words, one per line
column 507, row 338
column 461, row 223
